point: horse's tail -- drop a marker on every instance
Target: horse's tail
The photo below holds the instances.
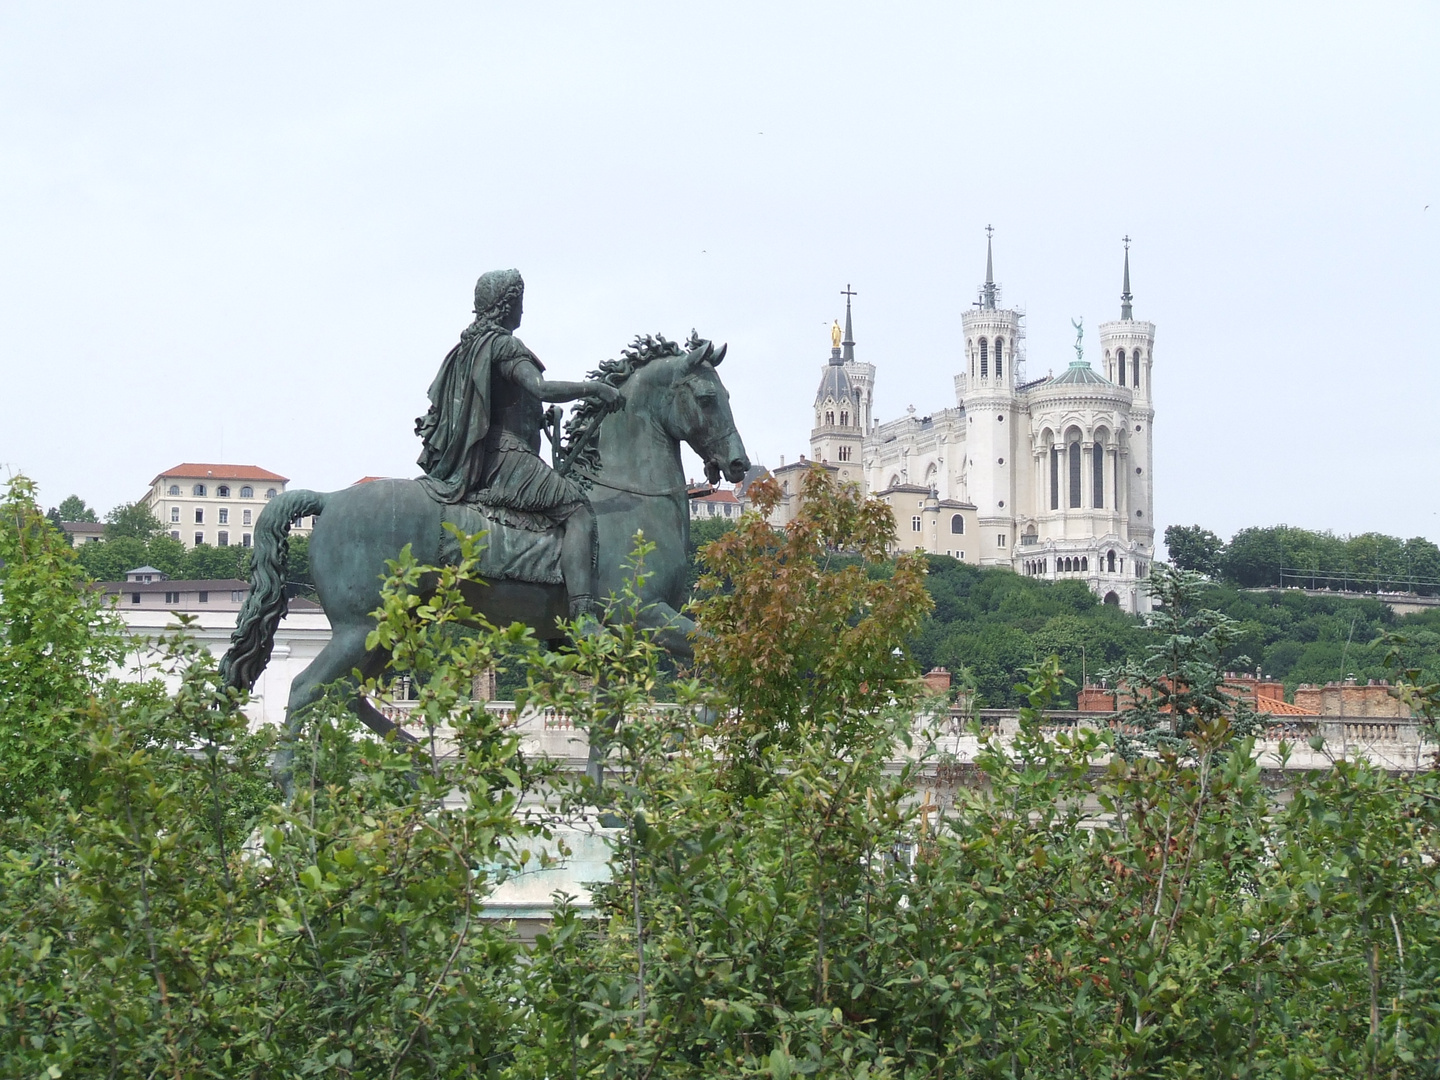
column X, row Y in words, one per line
column 254, row 634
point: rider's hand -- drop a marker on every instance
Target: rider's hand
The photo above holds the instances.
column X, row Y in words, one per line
column 602, row 392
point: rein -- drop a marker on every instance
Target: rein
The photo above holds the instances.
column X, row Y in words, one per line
column 630, row 490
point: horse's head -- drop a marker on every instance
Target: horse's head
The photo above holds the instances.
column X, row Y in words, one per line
column 699, row 413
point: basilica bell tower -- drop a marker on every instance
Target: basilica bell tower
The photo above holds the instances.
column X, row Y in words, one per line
column 1128, row 346
column 986, row 392
column 842, row 403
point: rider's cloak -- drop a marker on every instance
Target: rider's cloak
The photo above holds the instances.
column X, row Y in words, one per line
column 453, row 430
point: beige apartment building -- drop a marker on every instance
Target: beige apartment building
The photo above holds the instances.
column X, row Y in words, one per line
column 212, row 504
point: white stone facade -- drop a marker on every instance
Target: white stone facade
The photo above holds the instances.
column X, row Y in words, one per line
column 1050, row 477
column 215, row 504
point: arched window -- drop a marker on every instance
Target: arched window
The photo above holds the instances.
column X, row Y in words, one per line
column 1084, row 562
column 1075, row 474
column 1136, row 362
column 1054, row 478
column 844, row 419
column 829, row 417
column 199, row 491
column 223, row 491
column 999, row 356
column 1121, row 357
column 174, row 489
column 984, row 358
column 1110, row 562
column 1097, row 468
column 247, row 492
column 957, row 524
column 269, row 493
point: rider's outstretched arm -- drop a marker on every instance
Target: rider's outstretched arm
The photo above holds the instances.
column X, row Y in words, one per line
column 528, row 376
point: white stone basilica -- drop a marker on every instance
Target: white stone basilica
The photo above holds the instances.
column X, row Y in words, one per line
column 1050, row 477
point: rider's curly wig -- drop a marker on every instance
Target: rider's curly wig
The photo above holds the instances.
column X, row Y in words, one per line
column 496, row 294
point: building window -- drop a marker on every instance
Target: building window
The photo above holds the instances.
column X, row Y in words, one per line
column 984, row 356
column 174, row 489
column 245, row 517
column 1097, row 467
column 224, row 539
column 204, row 597
column 957, row 524
column 1121, row 357
column 829, row 416
column 172, row 597
column 224, row 515
column 223, row 491
column 269, row 493
column 199, row 515
column 198, row 491
column 134, row 597
column 199, row 538
column 1001, row 541
column 1110, row 561
column 1135, row 359
column 247, row 492
column 915, row 523
column 245, row 540
column 236, row 596
column 175, row 534
column 999, row 356
column 1054, row 478
column 1075, row 475
column 175, row 514
column 844, row 453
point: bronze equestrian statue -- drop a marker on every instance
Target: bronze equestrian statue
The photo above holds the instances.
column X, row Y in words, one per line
column 556, row 539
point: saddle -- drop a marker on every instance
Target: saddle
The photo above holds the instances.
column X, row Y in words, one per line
column 518, row 545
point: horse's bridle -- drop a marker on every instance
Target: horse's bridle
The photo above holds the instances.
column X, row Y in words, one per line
column 629, row 490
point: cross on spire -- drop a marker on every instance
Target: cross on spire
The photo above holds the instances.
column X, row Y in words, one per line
column 1126, row 310
column 849, row 342
column 987, row 300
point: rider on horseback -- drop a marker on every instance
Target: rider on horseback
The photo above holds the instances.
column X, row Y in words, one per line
column 482, row 433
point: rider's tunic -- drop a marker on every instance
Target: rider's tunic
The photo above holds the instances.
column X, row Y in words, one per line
column 482, row 433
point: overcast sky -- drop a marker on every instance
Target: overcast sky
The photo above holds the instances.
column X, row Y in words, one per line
column 251, row 235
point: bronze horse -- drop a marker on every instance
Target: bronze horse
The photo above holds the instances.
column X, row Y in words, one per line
column 668, row 396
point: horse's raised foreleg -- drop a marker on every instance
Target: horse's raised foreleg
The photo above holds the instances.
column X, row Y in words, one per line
column 337, row 662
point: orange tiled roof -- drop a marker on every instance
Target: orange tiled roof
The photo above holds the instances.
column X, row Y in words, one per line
column 1280, row 708
column 191, row 470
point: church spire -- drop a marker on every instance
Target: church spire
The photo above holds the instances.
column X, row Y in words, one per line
column 1125, row 297
column 989, row 291
column 849, row 341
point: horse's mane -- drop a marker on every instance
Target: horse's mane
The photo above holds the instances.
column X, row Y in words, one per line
column 580, row 448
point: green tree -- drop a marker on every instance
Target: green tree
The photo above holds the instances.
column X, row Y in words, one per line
column 133, row 520
column 1254, row 557
column 1178, row 689
column 1194, row 548
column 111, row 560
column 138, row 941
column 796, row 638
column 166, row 554
column 204, row 562
column 73, row 508
column 57, row 643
